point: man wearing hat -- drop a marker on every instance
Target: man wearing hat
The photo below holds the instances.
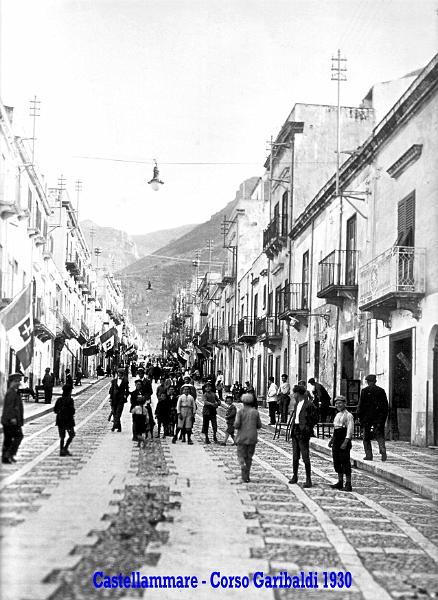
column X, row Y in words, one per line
column 12, row 419
column 372, row 411
column 146, row 385
column 304, row 418
column 119, row 392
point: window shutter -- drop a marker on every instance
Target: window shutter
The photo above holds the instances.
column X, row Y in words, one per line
column 406, row 221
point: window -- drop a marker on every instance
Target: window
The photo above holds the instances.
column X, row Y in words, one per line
column 406, row 221
column 285, row 362
column 305, row 281
column 284, row 202
column 256, row 301
column 264, row 297
column 270, row 364
column 29, row 200
column 350, row 262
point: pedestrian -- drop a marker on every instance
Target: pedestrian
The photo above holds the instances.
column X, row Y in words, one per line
column 135, row 394
column 156, row 372
column 134, row 369
column 25, row 390
column 247, row 423
column 372, row 411
column 146, row 384
column 192, row 390
column 68, row 378
column 219, row 384
column 173, row 400
column 65, row 410
column 237, row 391
column 209, row 411
column 162, row 413
column 161, row 387
column 230, row 417
column 321, row 399
column 340, row 444
column 272, row 400
column 249, row 389
column 304, row 418
column 186, row 409
column 108, row 371
column 284, row 397
column 48, row 382
column 119, row 392
column 12, row 419
column 140, row 421
column 79, row 375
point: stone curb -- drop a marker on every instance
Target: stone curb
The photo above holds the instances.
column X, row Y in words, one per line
column 49, row 408
column 394, row 474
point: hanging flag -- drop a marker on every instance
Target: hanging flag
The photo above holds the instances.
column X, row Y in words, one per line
column 17, row 319
column 183, row 353
column 108, row 339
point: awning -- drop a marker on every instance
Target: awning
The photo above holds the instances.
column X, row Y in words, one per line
column 204, row 352
column 42, row 332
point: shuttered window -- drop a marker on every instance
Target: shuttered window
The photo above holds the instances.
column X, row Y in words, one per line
column 406, row 221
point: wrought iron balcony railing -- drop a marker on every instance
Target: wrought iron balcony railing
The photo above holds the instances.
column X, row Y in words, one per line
column 337, row 273
column 246, row 329
column 295, row 299
column 399, row 272
column 274, row 236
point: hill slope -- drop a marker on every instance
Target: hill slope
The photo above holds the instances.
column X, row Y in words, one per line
column 166, row 274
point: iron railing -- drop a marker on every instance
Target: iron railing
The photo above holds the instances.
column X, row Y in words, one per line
column 338, row 269
column 295, row 298
column 245, row 327
column 276, row 229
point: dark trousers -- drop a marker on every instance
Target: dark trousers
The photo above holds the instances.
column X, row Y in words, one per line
column 300, row 449
column 245, row 452
column 272, row 411
column 71, row 434
column 284, row 405
column 379, row 434
column 117, row 408
column 206, row 419
column 12, row 436
column 341, row 458
column 48, row 392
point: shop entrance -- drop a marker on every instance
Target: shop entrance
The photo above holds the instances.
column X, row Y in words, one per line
column 400, row 385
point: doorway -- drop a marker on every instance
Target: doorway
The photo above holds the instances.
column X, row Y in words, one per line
column 400, row 385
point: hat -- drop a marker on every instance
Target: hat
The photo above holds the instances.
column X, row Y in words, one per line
column 371, row 378
column 14, row 377
column 140, row 369
column 340, row 399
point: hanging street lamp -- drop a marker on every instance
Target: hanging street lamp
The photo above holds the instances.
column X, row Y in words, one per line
column 156, row 182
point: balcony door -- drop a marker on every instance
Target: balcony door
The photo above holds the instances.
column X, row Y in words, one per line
column 406, row 239
column 305, row 282
column 350, row 262
column 284, row 202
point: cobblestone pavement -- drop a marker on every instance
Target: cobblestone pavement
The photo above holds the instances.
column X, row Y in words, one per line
column 112, row 507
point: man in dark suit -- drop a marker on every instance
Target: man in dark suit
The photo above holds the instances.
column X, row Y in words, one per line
column 372, row 411
column 146, row 384
column 119, row 392
column 304, row 418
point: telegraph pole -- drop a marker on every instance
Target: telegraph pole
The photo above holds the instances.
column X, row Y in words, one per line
column 210, row 244
column 339, row 70
column 78, row 188
column 34, row 113
column 92, row 234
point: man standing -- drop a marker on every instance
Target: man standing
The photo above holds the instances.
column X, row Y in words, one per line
column 304, row 418
column 146, row 385
column 119, row 392
column 272, row 400
column 322, row 399
column 340, row 444
column 48, row 382
column 219, row 384
column 12, row 420
column 284, row 397
column 372, row 411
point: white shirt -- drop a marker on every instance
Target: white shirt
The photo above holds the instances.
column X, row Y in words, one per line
column 345, row 419
column 272, row 393
column 297, row 414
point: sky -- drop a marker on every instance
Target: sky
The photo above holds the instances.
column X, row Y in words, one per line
column 187, row 82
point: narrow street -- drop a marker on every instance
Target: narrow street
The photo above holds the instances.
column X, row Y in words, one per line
column 179, row 510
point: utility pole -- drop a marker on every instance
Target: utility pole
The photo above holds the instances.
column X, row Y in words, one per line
column 78, row 188
column 34, row 113
column 338, row 74
column 210, row 244
column 61, row 186
column 92, row 234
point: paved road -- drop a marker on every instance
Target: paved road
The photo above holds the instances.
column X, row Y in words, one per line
column 169, row 508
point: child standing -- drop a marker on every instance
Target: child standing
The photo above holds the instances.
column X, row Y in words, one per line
column 65, row 409
column 140, row 421
column 162, row 412
column 340, row 444
column 247, row 422
column 230, row 416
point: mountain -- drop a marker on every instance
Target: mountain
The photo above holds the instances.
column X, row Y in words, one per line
column 171, row 267
column 149, row 242
column 119, row 249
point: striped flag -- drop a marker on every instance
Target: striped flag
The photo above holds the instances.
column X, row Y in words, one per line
column 17, row 320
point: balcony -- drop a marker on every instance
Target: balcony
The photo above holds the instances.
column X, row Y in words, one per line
column 246, row 330
column 337, row 276
column 212, row 336
column 232, row 334
column 222, row 336
column 44, row 321
column 396, row 279
column 275, row 236
column 73, row 265
column 295, row 303
column 268, row 330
